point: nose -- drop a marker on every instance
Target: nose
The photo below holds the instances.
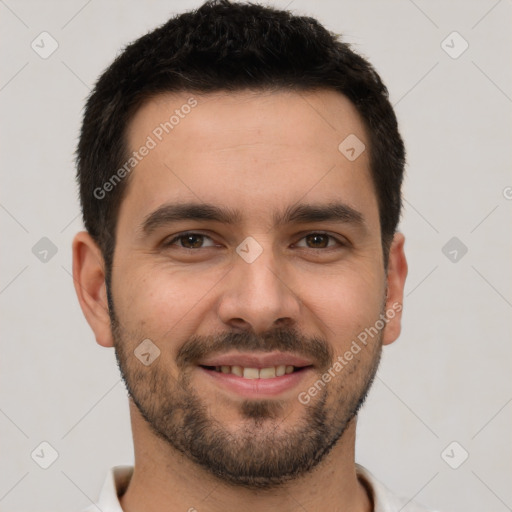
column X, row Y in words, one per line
column 259, row 296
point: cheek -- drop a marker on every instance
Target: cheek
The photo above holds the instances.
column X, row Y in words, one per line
column 164, row 301
column 346, row 304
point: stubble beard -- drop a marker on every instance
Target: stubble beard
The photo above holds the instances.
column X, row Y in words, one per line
column 262, row 452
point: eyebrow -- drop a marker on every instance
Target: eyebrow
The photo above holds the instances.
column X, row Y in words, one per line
column 294, row 214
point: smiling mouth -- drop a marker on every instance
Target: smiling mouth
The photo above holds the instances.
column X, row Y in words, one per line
column 249, row 373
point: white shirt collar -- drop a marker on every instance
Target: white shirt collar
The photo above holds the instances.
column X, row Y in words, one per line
column 384, row 500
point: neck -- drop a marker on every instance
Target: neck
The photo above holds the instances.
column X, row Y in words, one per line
column 164, row 479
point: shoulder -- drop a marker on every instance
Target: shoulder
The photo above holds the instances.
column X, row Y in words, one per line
column 384, row 499
column 115, row 484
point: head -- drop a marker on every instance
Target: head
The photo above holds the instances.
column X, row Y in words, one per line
column 240, row 172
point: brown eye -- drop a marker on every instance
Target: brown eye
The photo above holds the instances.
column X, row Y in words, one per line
column 319, row 241
column 190, row 241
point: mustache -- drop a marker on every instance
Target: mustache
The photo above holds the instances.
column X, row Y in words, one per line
column 313, row 348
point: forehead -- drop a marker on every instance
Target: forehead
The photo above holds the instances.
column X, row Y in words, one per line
column 252, row 151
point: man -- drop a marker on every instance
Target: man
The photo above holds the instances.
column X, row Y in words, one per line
column 240, row 172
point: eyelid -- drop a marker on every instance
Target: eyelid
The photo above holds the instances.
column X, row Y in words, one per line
column 340, row 242
column 178, row 236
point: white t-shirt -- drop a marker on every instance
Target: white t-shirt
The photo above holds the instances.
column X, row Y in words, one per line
column 118, row 479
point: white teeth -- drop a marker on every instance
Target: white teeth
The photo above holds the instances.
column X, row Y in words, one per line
column 251, row 373
column 256, row 373
column 268, row 373
column 237, row 370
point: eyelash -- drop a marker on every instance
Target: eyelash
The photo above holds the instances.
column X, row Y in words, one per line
column 188, row 233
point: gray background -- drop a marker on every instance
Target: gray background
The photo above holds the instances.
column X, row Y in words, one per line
column 446, row 379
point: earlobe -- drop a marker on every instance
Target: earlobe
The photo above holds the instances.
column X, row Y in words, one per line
column 397, row 274
column 90, row 287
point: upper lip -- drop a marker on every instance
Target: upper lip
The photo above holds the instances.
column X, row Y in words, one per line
column 255, row 360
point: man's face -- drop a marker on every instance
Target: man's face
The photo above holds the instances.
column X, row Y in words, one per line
column 281, row 286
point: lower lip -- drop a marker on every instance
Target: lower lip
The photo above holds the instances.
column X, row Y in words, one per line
column 257, row 388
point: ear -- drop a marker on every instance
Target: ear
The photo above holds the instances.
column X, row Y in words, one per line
column 397, row 273
column 90, row 287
